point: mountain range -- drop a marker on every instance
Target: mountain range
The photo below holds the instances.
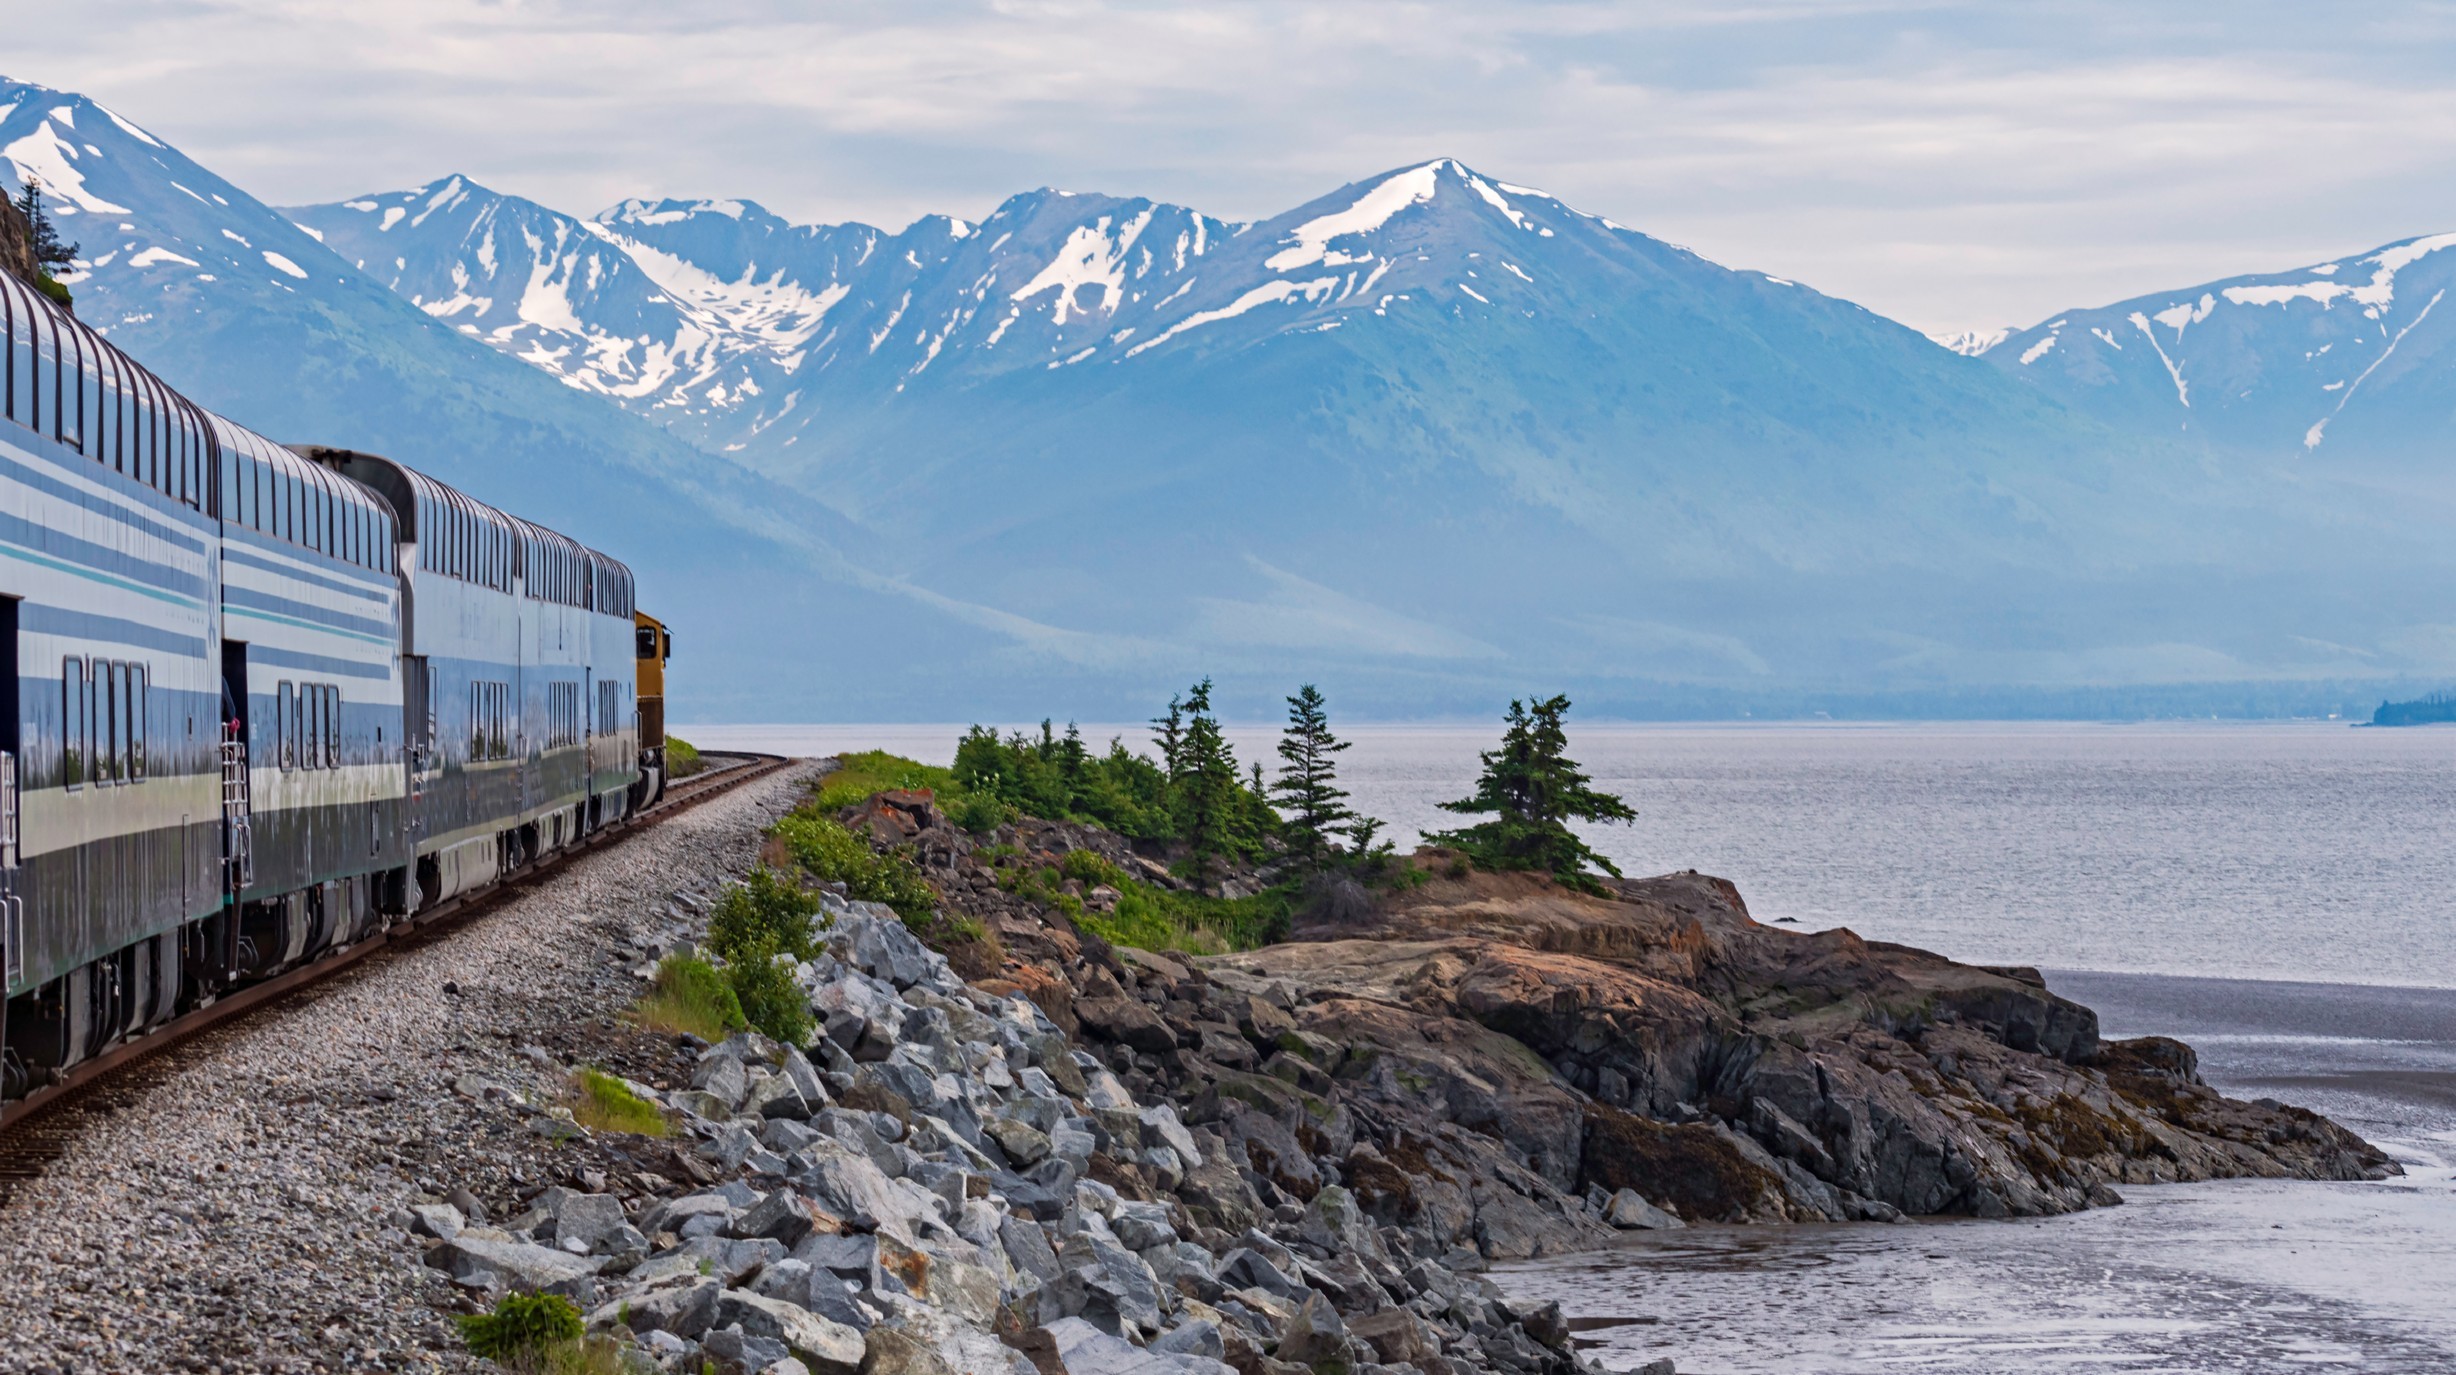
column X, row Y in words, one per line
column 1432, row 439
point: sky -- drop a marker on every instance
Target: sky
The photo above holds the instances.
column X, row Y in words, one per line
column 1952, row 165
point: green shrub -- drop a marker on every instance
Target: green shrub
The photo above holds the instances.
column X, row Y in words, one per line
column 1058, row 778
column 523, row 1327
column 1151, row 918
column 681, row 757
column 773, row 1003
column 1088, row 867
column 765, row 910
column 603, row 1103
column 831, row 854
column 692, row 998
column 979, row 813
column 874, row 771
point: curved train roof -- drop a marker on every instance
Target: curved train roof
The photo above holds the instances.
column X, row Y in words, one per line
column 483, row 543
column 64, row 382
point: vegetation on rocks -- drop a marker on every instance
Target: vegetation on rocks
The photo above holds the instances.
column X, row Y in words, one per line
column 1532, row 790
column 829, row 853
column 681, row 757
column 601, row 1102
column 773, row 1004
column 692, row 998
column 764, row 911
column 522, row 1329
column 857, row 776
column 1144, row 916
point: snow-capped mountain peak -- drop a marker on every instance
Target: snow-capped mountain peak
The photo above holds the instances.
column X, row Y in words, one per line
column 2343, row 353
column 1970, row 343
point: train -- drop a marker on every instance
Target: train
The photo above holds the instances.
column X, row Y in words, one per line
column 259, row 703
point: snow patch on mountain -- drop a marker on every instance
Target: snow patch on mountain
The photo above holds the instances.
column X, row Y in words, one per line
column 1371, row 211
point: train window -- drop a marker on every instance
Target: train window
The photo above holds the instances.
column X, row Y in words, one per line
column 76, row 739
column 332, row 727
column 140, row 720
column 285, row 724
column 115, row 759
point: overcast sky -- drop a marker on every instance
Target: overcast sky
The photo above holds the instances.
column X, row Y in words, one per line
column 1953, row 165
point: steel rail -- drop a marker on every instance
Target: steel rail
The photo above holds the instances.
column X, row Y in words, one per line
column 25, row 1149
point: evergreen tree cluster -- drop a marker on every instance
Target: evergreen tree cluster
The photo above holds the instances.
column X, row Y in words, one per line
column 45, row 246
column 1198, row 796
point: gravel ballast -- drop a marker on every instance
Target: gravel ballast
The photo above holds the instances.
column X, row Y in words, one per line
column 240, row 1202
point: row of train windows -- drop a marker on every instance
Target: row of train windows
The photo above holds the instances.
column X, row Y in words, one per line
column 304, row 506
column 459, row 542
column 307, row 722
column 490, row 721
column 562, row 715
column 61, row 380
column 103, row 709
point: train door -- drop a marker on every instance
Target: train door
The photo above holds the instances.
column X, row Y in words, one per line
column 12, row 904
column 588, row 743
column 233, row 738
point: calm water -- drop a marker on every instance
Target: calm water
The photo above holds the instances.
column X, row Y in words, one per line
column 2313, row 852
column 2284, row 897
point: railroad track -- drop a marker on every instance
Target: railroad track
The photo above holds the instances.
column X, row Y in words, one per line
column 37, row 1129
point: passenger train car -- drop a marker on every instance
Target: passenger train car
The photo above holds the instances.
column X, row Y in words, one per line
column 258, row 703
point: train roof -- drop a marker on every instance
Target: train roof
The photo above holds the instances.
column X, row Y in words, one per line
column 550, row 563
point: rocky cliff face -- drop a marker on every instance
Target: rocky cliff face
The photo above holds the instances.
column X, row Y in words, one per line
column 1492, row 1059
column 17, row 244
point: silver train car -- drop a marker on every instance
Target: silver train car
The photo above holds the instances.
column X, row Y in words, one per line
column 258, row 703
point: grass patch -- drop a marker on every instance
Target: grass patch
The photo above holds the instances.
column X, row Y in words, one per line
column 831, row 854
column 691, row 997
column 873, row 771
column 1146, row 917
column 601, row 1102
column 681, row 758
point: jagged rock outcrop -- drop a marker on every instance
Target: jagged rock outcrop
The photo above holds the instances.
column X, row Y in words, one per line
column 1760, row 1073
column 17, row 244
column 1488, row 1060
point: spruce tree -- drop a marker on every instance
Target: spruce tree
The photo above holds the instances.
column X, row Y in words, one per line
column 49, row 252
column 1308, row 790
column 1532, row 790
column 1171, row 730
column 1209, row 809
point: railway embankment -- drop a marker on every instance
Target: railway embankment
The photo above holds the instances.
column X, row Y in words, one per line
column 242, row 1202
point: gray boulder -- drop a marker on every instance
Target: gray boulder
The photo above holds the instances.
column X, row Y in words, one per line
column 1086, row 1350
column 1161, row 1128
column 439, row 1220
column 518, row 1265
column 721, row 1077
column 783, row 1216
column 683, row 1309
column 774, row 1096
column 1027, row 1246
column 827, row 1347
column 1630, row 1211
column 1023, row 1144
column 854, row 1189
column 1315, row 1335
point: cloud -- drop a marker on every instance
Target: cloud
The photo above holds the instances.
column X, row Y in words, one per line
column 1950, row 164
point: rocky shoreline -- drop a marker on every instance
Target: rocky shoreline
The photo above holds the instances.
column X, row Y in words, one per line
column 1050, row 1155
